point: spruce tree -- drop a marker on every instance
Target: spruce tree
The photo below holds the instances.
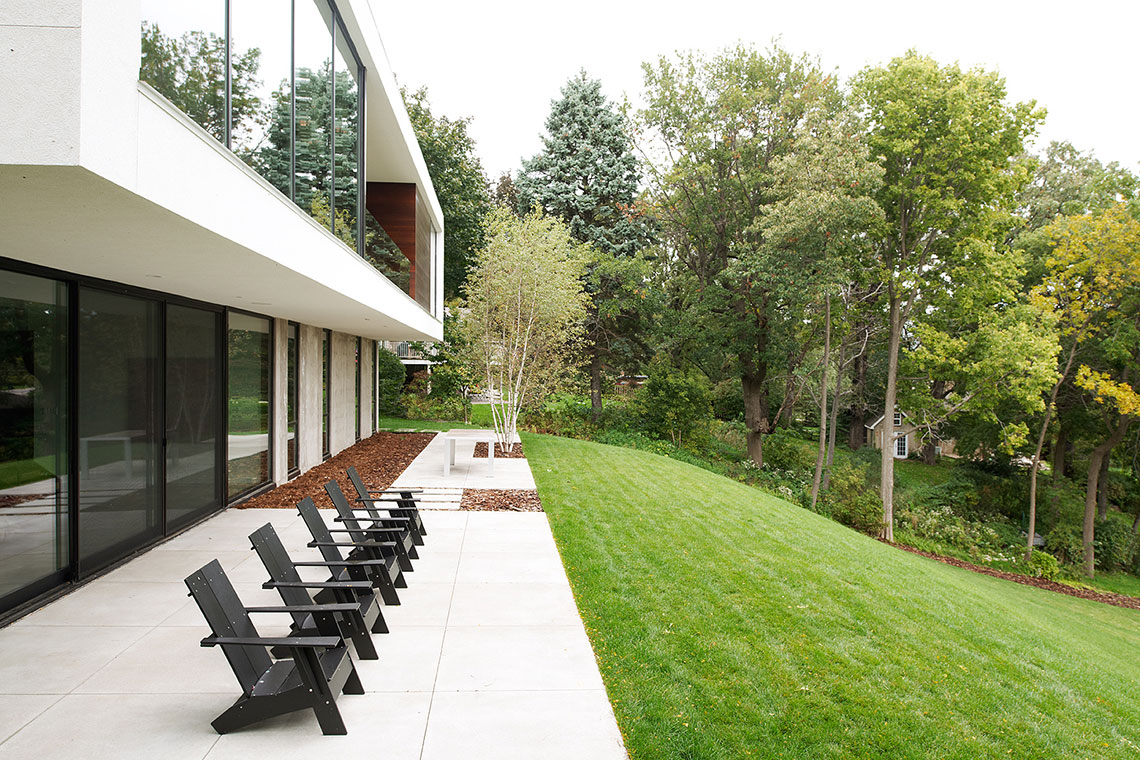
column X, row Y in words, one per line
column 587, row 175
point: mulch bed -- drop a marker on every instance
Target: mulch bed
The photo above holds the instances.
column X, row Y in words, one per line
column 500, row 500
column 516, row 451
column 1106, row 597
column 379, row 459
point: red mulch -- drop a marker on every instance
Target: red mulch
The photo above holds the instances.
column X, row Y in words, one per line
column 379, row 460
column 1106, row 597
column 516, row 451
column 499, row 500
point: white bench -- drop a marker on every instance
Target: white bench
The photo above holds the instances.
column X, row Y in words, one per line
column 479, row 436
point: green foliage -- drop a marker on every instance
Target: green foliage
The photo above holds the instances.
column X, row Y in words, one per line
column 459, row 182
column 852, row 500
column 1044, row 565
column 674, row 403
column 390, row 376
column 1115, row 544
column 784, row 450
column 1064, row 543
column 417, row 406
column 728, row 400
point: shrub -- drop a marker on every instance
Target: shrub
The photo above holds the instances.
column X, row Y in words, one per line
column 389, row 384
column 674, row 403
column 1064, row 543
column 784, row 451
column 728, row 400
column 1044, row 565
column 852, row 500
column 1113, row 544
column 419, row 407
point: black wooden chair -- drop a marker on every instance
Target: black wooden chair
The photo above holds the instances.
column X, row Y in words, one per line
column 373, row 561
column 318, row 670
column 392, row 529
column 355, row 623
column 404, row 501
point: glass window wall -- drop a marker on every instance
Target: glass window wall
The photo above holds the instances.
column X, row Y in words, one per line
column 326, row 367
column 274, row 86
column 34, row 514
column 261, row 88
column 291, row 395
column 184, row 58
column 249, row 402
column 193, row 477
column 119, row 425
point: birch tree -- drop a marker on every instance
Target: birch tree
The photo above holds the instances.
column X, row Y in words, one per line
column 525, row 315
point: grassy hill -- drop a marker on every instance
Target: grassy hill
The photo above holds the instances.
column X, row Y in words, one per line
column 731, row 624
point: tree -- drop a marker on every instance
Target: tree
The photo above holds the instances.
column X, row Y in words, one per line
column 587, row 176
column 1093, row 287
column 459, row 181
column 947, row 140
column 525, row 312
column 711, row 130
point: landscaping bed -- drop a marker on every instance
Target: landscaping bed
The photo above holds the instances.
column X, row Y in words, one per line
column 379, row 459
column 500, row 500
column 1117, row 600
column 515, row 452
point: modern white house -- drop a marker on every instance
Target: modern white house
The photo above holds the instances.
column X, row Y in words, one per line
column 211, row 214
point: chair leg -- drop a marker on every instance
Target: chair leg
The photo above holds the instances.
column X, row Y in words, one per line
column 323, row 700
column 353, row 685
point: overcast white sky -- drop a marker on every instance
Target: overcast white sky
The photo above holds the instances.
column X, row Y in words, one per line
column 503, row 61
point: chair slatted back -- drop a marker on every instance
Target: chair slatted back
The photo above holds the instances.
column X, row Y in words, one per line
column 362, row 492
column 226, row 616
column 344, row 509
column 317, row 528
column 276, row 559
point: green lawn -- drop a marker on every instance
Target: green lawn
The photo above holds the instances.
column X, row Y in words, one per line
column 731, row 624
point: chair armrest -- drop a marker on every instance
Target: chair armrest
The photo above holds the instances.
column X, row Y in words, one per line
column 390, row 500
column 393, row 519
column 307, row 608
column 364, row 585
column 397, row 490
column 380, row 531
column 294, row 642
column 381, row 544
column 345, row 563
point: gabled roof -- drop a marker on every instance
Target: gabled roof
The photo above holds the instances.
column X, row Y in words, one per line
column 875, row 424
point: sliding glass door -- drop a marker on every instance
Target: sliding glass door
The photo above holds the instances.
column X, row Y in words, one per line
column 119, row 441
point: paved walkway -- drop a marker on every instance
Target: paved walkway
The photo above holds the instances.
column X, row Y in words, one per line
column 467, row 472
column 487, row 657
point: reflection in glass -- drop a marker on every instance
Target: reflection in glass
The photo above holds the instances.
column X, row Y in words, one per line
column 346, row 73
column 248, row 372
column 33, row 431
column 261, row 98
column 356, row 369
column 192, row 475
column 382, row 253
column 326, row 359
column 313, row 82
column 291, row 395
column 119, row 506
column 184, row 58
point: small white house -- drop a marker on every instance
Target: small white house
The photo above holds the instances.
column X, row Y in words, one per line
column 902, row 436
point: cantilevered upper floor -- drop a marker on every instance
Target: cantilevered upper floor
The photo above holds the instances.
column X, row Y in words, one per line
column 250, row 153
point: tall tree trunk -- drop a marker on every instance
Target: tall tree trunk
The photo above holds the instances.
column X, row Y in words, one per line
column 857, row 435
column 1060, row 451
column 755, row 413
column 1095, row 459
column 929, row 455
column 834, row 418
column 887, row 460
column 1102, row 488
column 819, row 457
column 1041, row 445
column 595, row 384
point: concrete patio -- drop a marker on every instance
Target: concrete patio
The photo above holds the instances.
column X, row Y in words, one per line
column 487, row 657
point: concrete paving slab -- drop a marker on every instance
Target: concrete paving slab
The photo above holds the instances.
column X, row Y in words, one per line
column 120, row 727
column 522, row 725
column 517, row 658
column 529, row 604
column 16, row 711
column 56, row 659
column 516, row 567
column 106, row 603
